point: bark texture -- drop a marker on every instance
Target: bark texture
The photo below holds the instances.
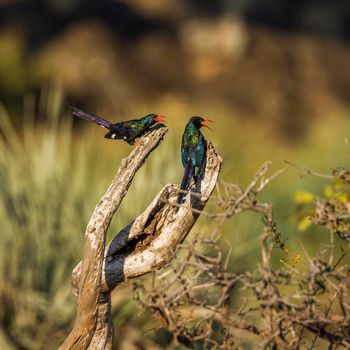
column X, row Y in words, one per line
column 144, row 245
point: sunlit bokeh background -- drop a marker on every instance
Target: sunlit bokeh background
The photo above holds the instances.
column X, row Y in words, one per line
column 273, row 74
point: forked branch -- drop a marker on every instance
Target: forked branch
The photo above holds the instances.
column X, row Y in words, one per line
column 145, row 244
column 95, row 240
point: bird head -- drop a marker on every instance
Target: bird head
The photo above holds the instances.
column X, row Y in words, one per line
column 154, row 118
column 199, row 122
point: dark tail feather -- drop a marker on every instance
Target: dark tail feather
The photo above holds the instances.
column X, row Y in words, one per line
column 92, row 118
column 186, row 181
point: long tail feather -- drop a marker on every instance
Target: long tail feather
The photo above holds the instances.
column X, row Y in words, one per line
column 186, row 181
column 93, row 118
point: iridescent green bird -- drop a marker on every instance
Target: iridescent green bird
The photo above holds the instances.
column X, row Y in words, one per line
column 193, row 149
column 128, row 130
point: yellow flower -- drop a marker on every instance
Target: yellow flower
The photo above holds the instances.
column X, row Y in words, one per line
column 342, row 198
column 304, row 224
column 328, row 191
column 295, row 259
column 286, row 250
column 303, row 197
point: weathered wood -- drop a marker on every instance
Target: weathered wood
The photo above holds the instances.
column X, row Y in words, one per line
column 145, row 244
column 148, row 242
column 94, row 243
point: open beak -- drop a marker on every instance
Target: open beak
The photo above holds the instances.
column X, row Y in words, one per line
column 205, row 125
column 160, row 119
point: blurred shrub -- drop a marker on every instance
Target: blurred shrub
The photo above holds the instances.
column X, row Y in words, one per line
column 42, row 211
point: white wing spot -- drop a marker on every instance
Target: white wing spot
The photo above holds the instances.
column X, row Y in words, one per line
column 113, row 136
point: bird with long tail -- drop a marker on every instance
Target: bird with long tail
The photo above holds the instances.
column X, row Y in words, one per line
column 193, row 150
column 128, row 130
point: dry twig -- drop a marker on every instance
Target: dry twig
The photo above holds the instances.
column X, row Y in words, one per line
column 277, row 307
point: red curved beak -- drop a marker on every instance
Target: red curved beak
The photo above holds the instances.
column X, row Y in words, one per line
column 205, row 125
column 160, row 119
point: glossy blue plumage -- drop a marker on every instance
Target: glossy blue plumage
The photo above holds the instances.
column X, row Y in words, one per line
column 128, row 130
column 193, row 149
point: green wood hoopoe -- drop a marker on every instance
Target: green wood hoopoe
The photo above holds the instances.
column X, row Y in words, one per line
column 193, row 149
column 128, row 130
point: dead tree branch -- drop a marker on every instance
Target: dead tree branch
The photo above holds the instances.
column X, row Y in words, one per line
column 94, row 243
column 149, row 241
column 145, row 244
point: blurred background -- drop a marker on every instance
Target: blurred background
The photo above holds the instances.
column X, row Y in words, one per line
column 273, row 74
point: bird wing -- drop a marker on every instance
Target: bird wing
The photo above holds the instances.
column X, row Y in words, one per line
column 126, row 130
column 197, row 155
column 184, row 156
column 93, row 118
column 118, row 131
column 133, row 129
column 135, row 126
